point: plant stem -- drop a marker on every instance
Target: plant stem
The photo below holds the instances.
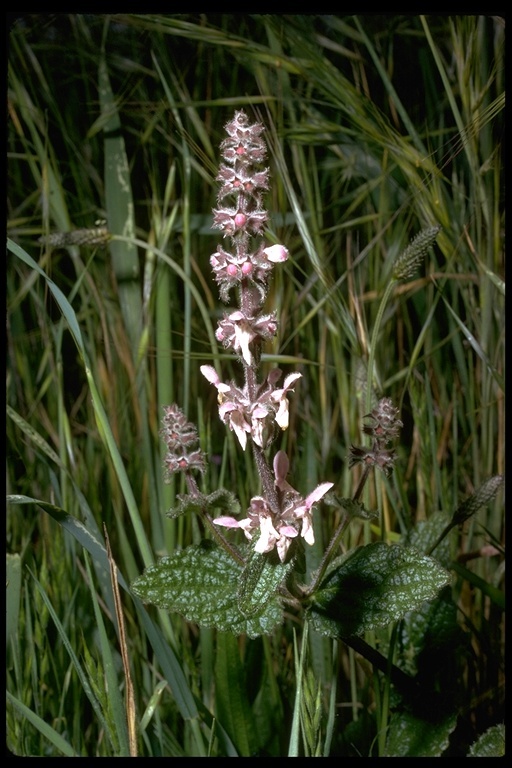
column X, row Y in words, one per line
column 329, row 552
column 218, row 535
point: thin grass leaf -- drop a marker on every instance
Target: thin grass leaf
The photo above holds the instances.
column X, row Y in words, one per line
column 13, row 596
column 101, row 417
column 163, row 652
column 408, row 124
column 44, row 729
column 117, row 711
column 120, row 212
column 152, row 705
column 233, row 708
column 82, row 676
column 300, row 662
column 470, row 338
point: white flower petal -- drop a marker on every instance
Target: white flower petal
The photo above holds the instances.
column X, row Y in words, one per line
column 290, row 379
column 282, row 548
column 276, row 253
column 244, row 337
column 307, row 530
column 282, row 416
column 268, row 536
column 240, row 426
column 210, row 373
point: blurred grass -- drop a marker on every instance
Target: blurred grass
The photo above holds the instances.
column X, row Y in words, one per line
column 378, row 126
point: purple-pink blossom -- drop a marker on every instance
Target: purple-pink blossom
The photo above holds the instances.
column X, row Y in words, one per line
column 279, row 528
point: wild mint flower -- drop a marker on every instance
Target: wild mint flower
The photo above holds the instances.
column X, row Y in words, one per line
column 254, row 410
column 244, row 145
column 245, row 416
column 296, row 508
column 372, row 457
column 383, row 422
column 382, row 425
column 238, row 331
column 234, row 182
column 242, row 180
column 276, row 253
column 234, row 405
column 180, row 436
column 279, row 528
column 231, row 270
column 231, row 220
column 304, row 511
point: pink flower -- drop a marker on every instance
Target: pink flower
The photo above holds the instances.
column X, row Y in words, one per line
column 279, row 528
column 233, row 405
column 231, row 220
column 257, row 510
column 238, row 331
column 240, row 180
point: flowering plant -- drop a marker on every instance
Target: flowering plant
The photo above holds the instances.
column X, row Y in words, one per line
column 244, row 584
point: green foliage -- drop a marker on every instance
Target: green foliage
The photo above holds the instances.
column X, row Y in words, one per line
column 490, row 744
column 411, row 736
column 205, row 585
column 372, row 586
column 233, row 706
column 379, row 128
column 260, row 580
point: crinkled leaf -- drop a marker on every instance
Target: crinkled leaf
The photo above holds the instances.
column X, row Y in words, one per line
column 372, row 586
column 260, row 580
column 431, row 640
column 202, row 583
column 410, row 736
column 490, row 744
column 221, row 499
column 427, row 532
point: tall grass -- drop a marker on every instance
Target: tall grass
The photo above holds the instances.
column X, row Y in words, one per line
column 378, row 126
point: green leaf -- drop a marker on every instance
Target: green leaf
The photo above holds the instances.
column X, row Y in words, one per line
column 223, row 501
column 432, row 642
column 233, row 708
column 411, row 736
column 261, row 579
column 44, row 728
column 490, row 744
column 202, row 583
column 373, row 586
column 13, row 595
column 429, row 535
column 120, row 209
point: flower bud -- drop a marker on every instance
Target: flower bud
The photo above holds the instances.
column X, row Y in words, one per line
column 240, row 220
